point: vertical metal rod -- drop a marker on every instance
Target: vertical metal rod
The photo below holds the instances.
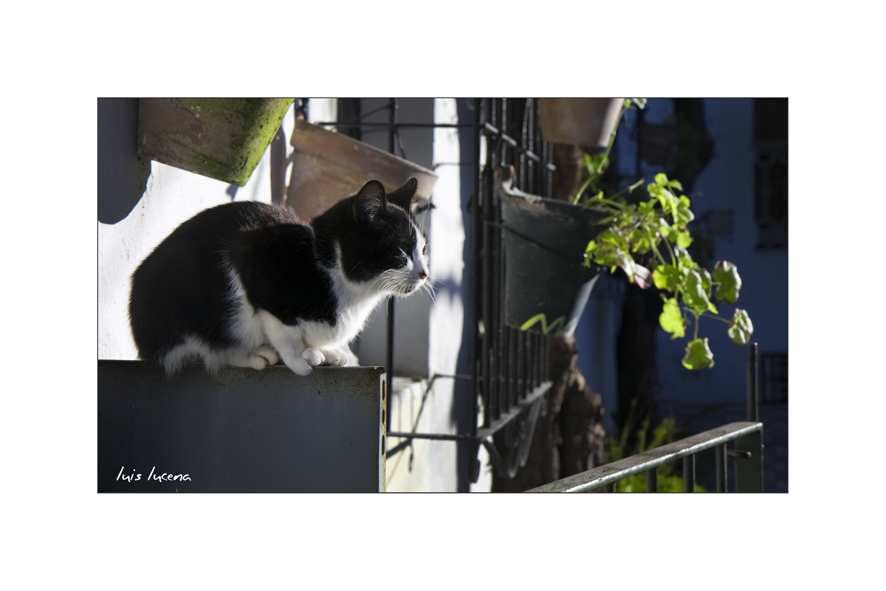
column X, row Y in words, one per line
column 652, row 480
column 485, row 270
column 476, row 317
column 721, row 468
column 510, row 377
column 389, row 356
column 753, row 414
column 497, row 277
column 689, row 474
column 749, row 471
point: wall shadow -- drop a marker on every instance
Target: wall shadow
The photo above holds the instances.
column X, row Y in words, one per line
column 122, row 174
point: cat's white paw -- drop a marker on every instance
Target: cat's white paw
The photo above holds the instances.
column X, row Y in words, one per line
column 299, row 366
column 314, row 357
column 256, row 362
column 335, row 357
column 268, row 354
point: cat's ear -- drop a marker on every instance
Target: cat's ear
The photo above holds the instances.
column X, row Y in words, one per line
column 369, row 201
column 405, row 194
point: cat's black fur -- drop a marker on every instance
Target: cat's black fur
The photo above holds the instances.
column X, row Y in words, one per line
column 183, row 293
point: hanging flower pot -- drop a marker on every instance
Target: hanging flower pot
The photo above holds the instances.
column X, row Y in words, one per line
column 222, row 138
column 579, row 121
column 329, row 166
column 546, row 285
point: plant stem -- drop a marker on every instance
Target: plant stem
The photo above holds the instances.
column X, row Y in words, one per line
column 707, row 315
column 716, row 318
column 609, row 202
column 583, row 187
column 655, row 249
column 670, row 250
column 629, row 189
column 605, row 160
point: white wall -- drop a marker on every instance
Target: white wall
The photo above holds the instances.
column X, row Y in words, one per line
column 412, row 314
column 170, row 197
column 428, row 332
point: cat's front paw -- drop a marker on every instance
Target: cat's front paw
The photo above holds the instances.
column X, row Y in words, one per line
column 336, row 357
column 314, row 357
column 299, row 366
column 268, row 354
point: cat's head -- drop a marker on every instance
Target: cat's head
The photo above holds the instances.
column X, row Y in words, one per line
column 380, row 242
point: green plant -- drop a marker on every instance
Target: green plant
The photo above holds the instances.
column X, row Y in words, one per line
column 663, row 434
column 652, row 229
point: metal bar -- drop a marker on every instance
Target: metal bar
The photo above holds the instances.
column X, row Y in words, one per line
column 721, row 468
column 510, row 381
column 515, row 145
column 494, row 279
column 484, row 326
column 397, row 125
column 476, row 302
column 515, row 411
column 689, row 474
column 587, row 481
column 652, row 480
column 749, row 470
column 389, row 354
column 753, row 395
column 438, row 436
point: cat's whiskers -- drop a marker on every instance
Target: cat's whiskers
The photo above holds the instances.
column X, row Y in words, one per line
column 430, row 289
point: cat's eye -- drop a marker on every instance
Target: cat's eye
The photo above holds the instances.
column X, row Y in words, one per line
column 424, row 249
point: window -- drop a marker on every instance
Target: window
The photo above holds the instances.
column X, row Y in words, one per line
column 771, row 172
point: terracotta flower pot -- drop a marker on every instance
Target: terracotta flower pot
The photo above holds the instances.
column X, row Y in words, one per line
column 329, row 166
column 220, row 138
column 580, row 121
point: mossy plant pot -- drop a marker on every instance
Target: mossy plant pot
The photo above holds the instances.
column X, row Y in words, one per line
column 546, row 285
column 328, row 167
column 221, row 138
column 580, row 121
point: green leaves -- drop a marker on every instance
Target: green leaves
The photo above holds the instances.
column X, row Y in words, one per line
column 671, row 320
column 740, row 328
column 698, row 355
column 682, row 214
column 667, row 277
column 695, row 293
column 728, row 282
column 657, row 229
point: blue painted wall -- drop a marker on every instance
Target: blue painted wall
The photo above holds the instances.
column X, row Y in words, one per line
column 727, row 183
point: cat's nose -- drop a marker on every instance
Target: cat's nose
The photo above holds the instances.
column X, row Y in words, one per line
column 422, row 274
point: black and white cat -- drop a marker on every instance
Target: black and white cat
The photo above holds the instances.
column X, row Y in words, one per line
column 247, row 283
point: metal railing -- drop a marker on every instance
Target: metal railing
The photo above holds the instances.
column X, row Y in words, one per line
column 747, row 454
